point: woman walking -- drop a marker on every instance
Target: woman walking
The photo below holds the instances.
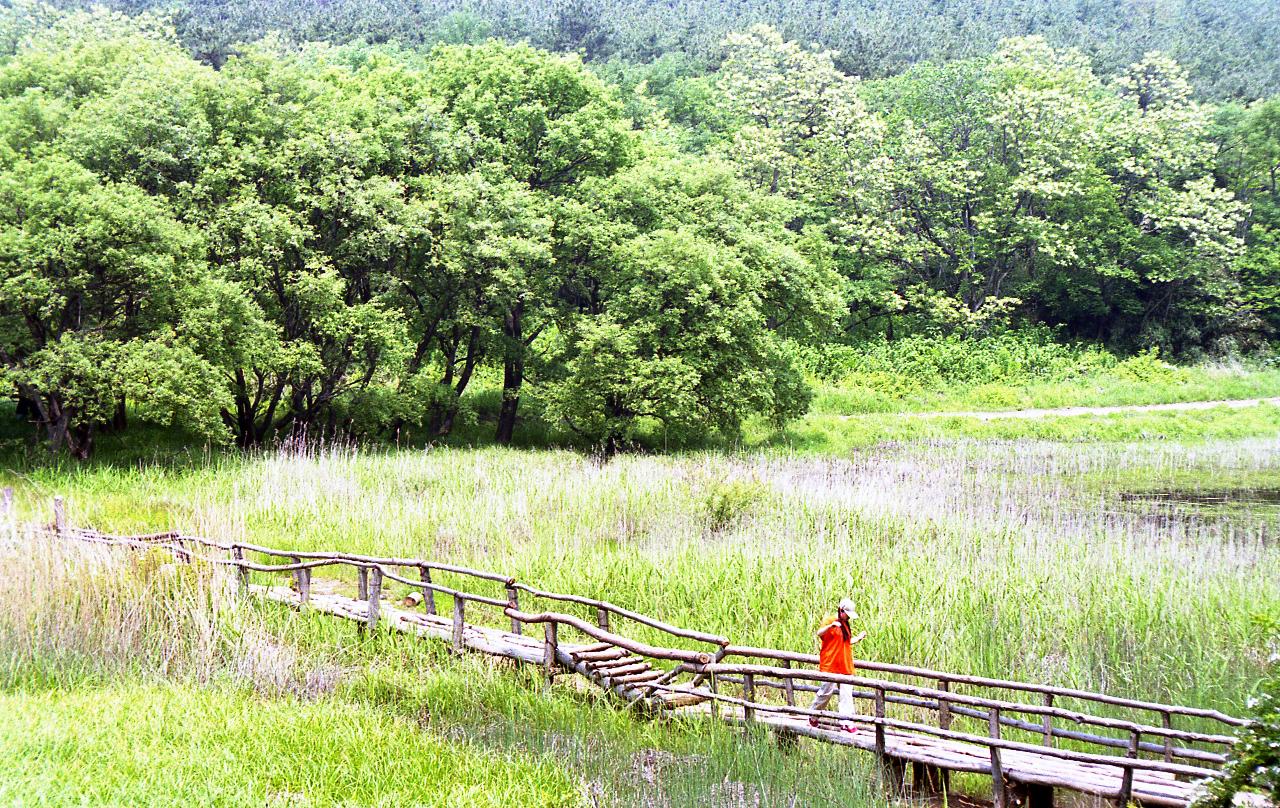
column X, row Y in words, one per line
column 836, row 656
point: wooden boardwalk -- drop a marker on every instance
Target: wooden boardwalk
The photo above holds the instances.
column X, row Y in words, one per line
column 922, row 724
column 920, row 761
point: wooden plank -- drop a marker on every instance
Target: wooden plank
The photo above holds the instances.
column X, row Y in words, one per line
column 59, row 515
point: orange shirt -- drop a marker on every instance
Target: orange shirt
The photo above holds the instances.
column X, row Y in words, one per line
column 836, row 655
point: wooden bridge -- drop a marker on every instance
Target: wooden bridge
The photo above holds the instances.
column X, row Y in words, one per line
column 921, row 724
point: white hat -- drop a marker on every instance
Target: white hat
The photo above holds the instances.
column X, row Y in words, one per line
column 847, row 607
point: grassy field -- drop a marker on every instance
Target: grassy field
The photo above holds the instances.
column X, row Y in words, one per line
column 126, row 682
column 1089, row 552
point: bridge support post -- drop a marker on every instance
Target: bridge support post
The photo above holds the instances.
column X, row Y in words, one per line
column 375, row 599
column 929, row 781
column 428, row 594
column 999, row 794
column 1035, row 796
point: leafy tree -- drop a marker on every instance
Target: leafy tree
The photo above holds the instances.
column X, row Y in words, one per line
column 547, row 123
column 684, row 287
column 93, row 277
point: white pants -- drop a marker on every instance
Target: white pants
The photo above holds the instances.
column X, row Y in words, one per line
column 828, row 689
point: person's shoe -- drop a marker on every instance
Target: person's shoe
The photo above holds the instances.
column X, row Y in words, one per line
column 851, row 729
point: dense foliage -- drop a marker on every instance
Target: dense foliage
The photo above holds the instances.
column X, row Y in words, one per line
column 323, row 240
column 333, row 241
column 1232, row 47
column 1255, row 759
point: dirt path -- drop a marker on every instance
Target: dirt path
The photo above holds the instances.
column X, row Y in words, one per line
column 1066, row 411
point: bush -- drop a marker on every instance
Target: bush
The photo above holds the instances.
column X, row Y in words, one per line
column 1255, row 759
column 900, row 368
column 728, row 502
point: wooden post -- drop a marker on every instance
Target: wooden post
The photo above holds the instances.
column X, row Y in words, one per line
column 944, row 706
column 549, row 644
column 513, row 602
column 879, row 708
column 748, row 695
column 1166, row 721
column 1038, row 796
column 927, row 780
column 788, row 687
column 1126, row 782
column 303, row 577
column 999, row 795
column 362, row 583
column 297, row 577
column 59, row 515
column 459, row 620
column 1048, row 721
column 428, row 594
column 602, row 618
column 6, row 501
column 715, row 703
column 375, row 597
column 237, row 552
column 181, row 554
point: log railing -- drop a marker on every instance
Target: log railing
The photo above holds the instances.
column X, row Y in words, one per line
column 767, row 681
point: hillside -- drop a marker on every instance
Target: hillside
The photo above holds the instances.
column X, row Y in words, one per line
column 1231, row 47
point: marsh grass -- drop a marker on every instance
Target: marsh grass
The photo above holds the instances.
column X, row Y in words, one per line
column 1003, row 559
column 131, row 680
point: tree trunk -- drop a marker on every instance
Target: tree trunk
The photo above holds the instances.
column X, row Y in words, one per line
column 512, row 373
column 445, row 426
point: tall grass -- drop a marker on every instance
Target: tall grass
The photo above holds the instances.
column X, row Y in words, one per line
column 129, row 680
column 1012, row 560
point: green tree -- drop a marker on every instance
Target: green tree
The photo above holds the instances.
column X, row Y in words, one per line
column 686, row 289
column 93, row 280
column 547, row 123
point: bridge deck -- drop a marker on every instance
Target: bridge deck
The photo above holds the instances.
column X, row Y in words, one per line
column 1024, row 768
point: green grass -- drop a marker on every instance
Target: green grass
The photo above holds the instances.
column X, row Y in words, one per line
column 991, row 547
column 836, row 435
column 1098, row 389
column 165, row 745
column 962, row 558
column 276, row 707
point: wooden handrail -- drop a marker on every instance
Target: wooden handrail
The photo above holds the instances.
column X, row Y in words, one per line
column 973, row 701
column 1004, row 684
column 980, row 740
column 924, row 696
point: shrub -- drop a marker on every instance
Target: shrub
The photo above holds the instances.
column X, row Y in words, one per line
column 1255, row 759
column 727, row 502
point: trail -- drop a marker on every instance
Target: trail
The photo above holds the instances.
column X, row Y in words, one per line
column 1014, row 732
column 990, row 415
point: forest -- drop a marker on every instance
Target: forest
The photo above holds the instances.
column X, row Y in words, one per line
column 277, row 238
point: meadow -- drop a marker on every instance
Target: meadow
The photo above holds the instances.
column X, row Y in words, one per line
column 1134, row 554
